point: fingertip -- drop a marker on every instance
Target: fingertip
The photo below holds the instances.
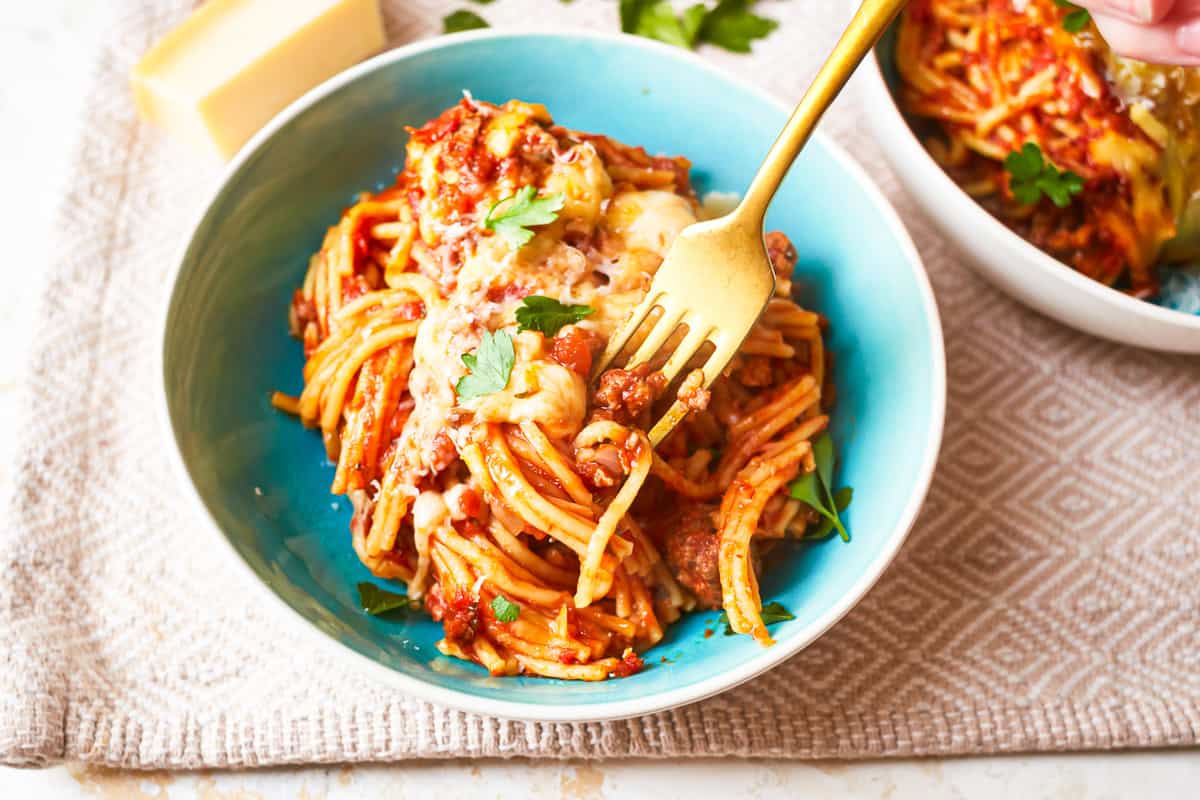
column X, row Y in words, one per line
column 1187, row 38
column 1164, row 43
column 1152, row 11
column 1146, row 12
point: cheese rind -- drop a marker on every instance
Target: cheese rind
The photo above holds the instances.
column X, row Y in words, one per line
column 231, row 66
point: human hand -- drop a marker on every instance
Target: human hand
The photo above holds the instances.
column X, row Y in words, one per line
column 1158, row 31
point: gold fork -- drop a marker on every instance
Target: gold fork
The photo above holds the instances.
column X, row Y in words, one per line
column 717, row 278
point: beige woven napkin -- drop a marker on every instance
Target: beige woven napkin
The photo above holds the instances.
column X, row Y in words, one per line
column 1046, row 600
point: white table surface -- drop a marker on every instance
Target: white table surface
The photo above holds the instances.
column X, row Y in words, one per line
column 43, row 51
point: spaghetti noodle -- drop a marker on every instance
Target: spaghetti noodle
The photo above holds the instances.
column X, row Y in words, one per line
column 531, row 516
column 997, row 74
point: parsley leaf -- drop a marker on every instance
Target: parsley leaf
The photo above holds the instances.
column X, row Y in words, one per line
column 547, row 315
column 823, row 529
column 691, row 20
column 490, row 366
column 524, row 210
column 771, row 613
column 1060, row 187
column 842, row 497
column 374, row 600
column 504, row 609
column 660, row 22
column 774, row 612
column 1031, row 176
column 462, row 20
column 1025, row 164
column 813, row 489
column 729, row 24
column 732, row 25
column 809, row 489
column 656, row 19
column 1075, row 21
column 631, row 12
column 823, row 455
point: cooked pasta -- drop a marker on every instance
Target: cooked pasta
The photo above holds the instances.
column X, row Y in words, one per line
column 450, row 323
column 997, row 74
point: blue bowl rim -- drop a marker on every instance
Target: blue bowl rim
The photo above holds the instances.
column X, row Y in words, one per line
column 590, row 712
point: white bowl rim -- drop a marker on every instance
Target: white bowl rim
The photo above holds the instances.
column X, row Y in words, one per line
column 978, row 215
column 579, row 712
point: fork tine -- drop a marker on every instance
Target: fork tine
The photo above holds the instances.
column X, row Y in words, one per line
column 727, row 347
column 667, row 422
column 623, row 334
column 697, row 335
column 658, row 336
column 678, row 410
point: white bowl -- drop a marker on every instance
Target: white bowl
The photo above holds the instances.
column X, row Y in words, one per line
column 1006, row 260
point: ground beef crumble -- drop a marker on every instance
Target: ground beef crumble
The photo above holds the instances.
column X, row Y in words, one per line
column 626, row 395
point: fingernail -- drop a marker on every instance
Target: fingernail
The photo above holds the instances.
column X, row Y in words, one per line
column 1187, row 38
column 1144, row 10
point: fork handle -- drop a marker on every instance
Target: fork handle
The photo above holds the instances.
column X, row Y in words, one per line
column 865, row 28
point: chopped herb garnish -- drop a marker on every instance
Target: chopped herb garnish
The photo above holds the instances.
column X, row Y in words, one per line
column 374, row 600
column 656, row 19
column 523, row 210
column 548, row 315
column 771, row 613
column 490, row 365
column 504, row 609
column 1075, row 21
column 462, row 20
column 841, row 499
column 823, row 456
column 733, row 26
column 1031, row 176
column 813, row 489
column 729, row 24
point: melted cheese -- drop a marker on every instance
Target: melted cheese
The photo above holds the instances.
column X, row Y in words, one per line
column 539, row 390
column 584, row 184
column 648, row 220
column 630, row 231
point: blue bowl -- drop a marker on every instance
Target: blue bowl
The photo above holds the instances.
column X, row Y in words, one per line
column 262, row 480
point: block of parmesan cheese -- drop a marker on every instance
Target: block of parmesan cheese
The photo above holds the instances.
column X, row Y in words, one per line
column 231, row 66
